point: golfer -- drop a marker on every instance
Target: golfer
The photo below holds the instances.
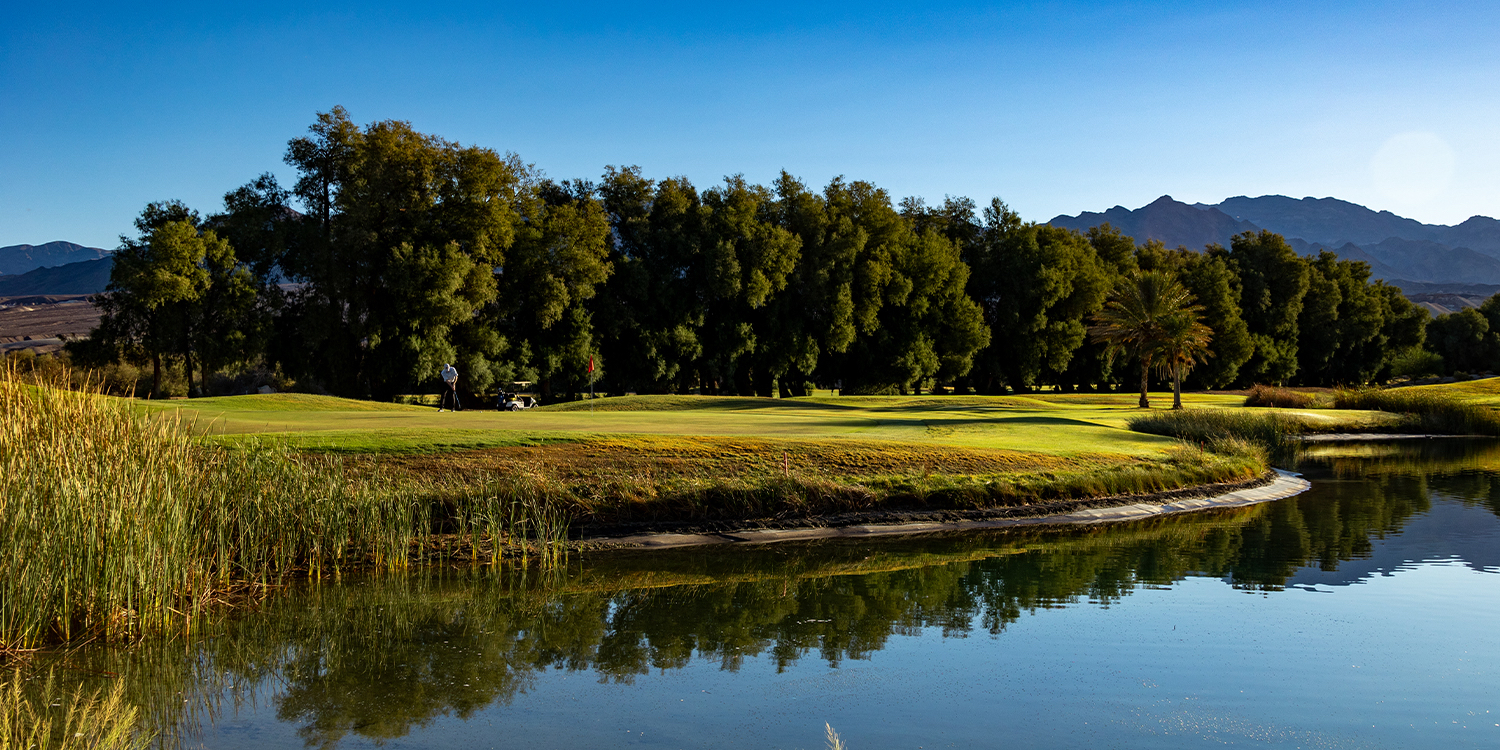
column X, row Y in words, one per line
column 450, row 388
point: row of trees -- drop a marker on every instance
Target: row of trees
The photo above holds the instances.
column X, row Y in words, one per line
column 405, row 250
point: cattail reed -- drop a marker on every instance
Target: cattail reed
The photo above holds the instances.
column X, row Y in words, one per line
column 114, row 524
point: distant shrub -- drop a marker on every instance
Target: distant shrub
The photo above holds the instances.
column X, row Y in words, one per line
column 1265, row 395
column 1425, row 411
column 1416, row 362
column 872, row 389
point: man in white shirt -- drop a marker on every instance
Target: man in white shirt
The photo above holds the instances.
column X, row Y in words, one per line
column 450, row 388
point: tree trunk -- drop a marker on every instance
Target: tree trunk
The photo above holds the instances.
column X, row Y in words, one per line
column 155, row 375
column 187, row 363
column 765, row 383
column 1177, row 387
column 1145, row 382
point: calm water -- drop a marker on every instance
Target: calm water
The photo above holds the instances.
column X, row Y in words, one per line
column 1362, row 614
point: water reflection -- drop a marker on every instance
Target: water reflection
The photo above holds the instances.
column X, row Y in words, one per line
column 379, row 659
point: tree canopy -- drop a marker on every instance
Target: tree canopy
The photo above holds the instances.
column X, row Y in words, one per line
column 396, row 251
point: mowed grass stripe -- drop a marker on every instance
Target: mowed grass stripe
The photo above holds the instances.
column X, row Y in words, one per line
column 1016, row 423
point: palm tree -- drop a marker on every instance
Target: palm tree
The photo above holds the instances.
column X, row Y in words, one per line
column 1184, row 343
column 1153, row 318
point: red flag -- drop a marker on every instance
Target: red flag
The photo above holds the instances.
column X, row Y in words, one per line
column 591, row 363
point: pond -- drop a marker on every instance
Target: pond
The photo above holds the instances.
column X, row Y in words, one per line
column 1362, row 613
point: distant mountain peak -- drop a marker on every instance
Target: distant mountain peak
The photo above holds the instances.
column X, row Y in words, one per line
column 1395, row 247
column 1166, row 219
column 18, row 259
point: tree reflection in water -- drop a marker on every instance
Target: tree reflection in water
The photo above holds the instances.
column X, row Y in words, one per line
column 380, row 657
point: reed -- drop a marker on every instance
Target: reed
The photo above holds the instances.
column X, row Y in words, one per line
column 114, row 524
column 1425, row 411
column 832, row 737
column 1211, row 427
column 516, row 517
column 49, row 719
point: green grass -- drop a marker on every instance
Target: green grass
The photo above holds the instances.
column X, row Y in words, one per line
column 1052, row 424
column 391, row 441
column 1434, row 411
column 1486, row 389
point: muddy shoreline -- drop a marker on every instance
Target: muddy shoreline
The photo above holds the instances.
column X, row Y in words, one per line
column 1272, row 485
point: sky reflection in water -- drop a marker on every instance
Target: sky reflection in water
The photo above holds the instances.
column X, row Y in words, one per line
column 1361, row 614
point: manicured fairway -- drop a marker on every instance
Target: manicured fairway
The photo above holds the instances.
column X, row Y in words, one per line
column 1052, row 423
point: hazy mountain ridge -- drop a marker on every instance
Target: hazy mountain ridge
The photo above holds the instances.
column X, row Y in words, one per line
column 83, row 277
column 1164, row 218
column 1335, row 222
column 1398, row 249
column 19, row 259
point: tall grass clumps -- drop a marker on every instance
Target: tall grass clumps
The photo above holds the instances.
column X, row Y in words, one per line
column 1283, row 398
column 50, row 719
column 1425, row 411
column 1211, row 427
column 115, row 524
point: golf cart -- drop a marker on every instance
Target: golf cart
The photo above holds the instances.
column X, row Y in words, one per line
column 510, row 400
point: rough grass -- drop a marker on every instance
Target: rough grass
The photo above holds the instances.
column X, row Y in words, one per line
column 1486, row 388
column 1284, row 398
column 656, row 478
column 1426, row 411
column 391, row 441
column 1274, row 430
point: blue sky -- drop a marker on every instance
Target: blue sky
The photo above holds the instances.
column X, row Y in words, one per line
column 1053, row 107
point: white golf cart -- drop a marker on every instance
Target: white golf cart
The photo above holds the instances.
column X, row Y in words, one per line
column 512, row 398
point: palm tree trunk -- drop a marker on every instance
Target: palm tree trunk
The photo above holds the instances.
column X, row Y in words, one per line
column 1145, row 370
column 1177, row 386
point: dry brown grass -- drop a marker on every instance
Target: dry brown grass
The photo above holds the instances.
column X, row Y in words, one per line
column 728, row 457
column 681, row 479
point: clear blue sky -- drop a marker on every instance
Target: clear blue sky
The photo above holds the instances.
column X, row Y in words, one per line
column 1054, row 107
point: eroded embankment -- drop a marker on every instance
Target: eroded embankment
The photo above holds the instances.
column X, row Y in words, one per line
column 1274, row 485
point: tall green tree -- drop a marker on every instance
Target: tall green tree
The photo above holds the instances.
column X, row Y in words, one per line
column 1208, row 277
column 555, row 267
column 152, row 305
column 750, row 260
column 913, row 320
column 1342, row 324
column 1036, row 285
column 651, row 309
column 223, row 326
column 813, row 318
column 1464, row 340
column 405, row 233
column 1091, row 366
column 1273, row 282
column 1404, row 330
column 1184, row 343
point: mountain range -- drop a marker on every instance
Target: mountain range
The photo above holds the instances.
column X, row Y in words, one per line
column 18, row 259
column 83, row 277
column 1402, row 251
